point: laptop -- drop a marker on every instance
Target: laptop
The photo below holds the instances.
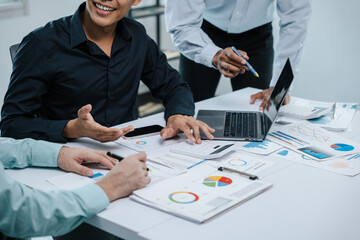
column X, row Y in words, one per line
column 249, row 125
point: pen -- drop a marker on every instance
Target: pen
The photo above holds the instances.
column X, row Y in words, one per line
column 251, row 176
column 113, row 155
column 246, row 62
column 117, row 157
column 334, row 107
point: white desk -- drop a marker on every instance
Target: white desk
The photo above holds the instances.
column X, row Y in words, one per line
column 304, row 202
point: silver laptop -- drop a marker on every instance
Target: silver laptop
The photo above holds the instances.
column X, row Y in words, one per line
column 249, row 125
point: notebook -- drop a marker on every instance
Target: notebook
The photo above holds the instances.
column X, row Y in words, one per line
column 249, row 125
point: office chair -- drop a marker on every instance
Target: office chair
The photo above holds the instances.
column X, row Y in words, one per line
column 13, row 50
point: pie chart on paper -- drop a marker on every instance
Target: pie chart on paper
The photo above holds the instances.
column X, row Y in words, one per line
column 217, row 181
column 342, row 147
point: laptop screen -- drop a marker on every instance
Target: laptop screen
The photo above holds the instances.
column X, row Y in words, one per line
column 279, row 92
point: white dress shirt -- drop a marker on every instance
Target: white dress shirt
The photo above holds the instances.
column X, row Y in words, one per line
column 184, row 19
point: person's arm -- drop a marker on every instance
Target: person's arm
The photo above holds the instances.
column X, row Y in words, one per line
column 21, row 114
column 27, row 212
column 183, row 21
column 294, row 17
column 165, row 82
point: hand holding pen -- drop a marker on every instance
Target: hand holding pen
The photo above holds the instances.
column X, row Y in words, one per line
column 246, row 62
column 229, row 63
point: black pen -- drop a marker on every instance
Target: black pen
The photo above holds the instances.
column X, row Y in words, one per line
column 251, row 176
column 117, row 157
column 113, row 155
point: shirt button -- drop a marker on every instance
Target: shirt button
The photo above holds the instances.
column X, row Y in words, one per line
column 237, row 13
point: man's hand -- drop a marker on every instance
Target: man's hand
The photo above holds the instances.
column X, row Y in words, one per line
column 229, row 63
column 70, row 159
column 180, row 123
column 85, row 126
column 128, row 175
column 265, row 97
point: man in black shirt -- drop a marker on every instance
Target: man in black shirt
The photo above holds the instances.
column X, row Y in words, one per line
column 92, row 62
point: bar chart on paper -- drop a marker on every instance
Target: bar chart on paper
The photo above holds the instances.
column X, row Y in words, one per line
column 313, row 141
column 264, row 148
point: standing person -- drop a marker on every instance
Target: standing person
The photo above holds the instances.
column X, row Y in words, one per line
column 28, row 212
column 93, row 62
column 204, row 31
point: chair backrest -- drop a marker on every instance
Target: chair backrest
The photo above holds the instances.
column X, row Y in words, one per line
column 13, row 50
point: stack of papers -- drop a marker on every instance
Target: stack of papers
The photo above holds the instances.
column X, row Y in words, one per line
column 338, row 121
column 200, row 194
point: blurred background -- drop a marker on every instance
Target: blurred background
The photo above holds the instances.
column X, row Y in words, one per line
column 328, row 70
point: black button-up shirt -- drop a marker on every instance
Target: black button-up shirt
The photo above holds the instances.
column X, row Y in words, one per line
column 57, row 70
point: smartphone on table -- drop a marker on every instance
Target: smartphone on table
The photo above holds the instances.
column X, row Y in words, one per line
column 144, row 131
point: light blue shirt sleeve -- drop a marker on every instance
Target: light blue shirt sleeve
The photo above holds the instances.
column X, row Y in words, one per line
column 184, row 19
column 27, row 212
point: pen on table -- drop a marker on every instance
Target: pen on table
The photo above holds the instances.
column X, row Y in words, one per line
column 117, row 157
column 251, row 176
column 246, row 62
column 334, row 111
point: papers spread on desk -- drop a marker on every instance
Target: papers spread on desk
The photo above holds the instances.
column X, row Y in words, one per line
column 344, row 114
column 263, row 148
column 69, row 181
column 200, row 194
column 243, row 162
column 312, row 141
column 347, row 165
column 150, row 143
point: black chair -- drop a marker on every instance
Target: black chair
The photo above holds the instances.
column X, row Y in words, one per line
column 13, row 50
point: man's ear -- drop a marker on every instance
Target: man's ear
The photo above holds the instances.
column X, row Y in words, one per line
column 136, row 2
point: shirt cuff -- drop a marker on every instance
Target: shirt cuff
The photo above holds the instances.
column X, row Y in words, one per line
column 208, row 54
column 45, row 154
column 93, row 197
column 57, row 127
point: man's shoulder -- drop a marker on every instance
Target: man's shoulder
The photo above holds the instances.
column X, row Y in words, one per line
column 134, row 25
column 53, row 29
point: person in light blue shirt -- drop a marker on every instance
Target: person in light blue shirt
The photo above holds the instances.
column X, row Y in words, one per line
column 204, row 31
column 27, row 212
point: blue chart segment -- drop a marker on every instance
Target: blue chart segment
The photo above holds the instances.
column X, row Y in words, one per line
column 262, row 145
column 313, row 151
column 283, row 152
column 342, row 147
column 356, row 156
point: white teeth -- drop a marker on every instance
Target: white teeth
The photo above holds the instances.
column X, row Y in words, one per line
column 103, row 7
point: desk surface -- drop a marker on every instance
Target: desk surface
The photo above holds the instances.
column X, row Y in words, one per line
column 304, row 202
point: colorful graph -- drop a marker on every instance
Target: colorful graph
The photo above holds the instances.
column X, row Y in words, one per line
column 217, row 181
column 141, row 142
column 261, row 145
column 342, row 147
column 283, row 152
column 288, row 139
column 315, row 152
column 237, row 162
column 183, row 197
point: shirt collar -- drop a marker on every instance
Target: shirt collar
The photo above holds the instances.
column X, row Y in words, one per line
column 77, row 33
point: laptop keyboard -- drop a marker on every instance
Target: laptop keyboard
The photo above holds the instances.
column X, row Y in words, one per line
column 242, row 125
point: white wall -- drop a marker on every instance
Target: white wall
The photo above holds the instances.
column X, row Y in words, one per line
column 328, row 70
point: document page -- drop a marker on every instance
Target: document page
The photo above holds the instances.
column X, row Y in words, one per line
column 201, row 193
column 312, row 141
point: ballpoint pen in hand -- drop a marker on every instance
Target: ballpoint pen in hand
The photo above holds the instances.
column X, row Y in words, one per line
column 246, row 62
column 118, row 158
